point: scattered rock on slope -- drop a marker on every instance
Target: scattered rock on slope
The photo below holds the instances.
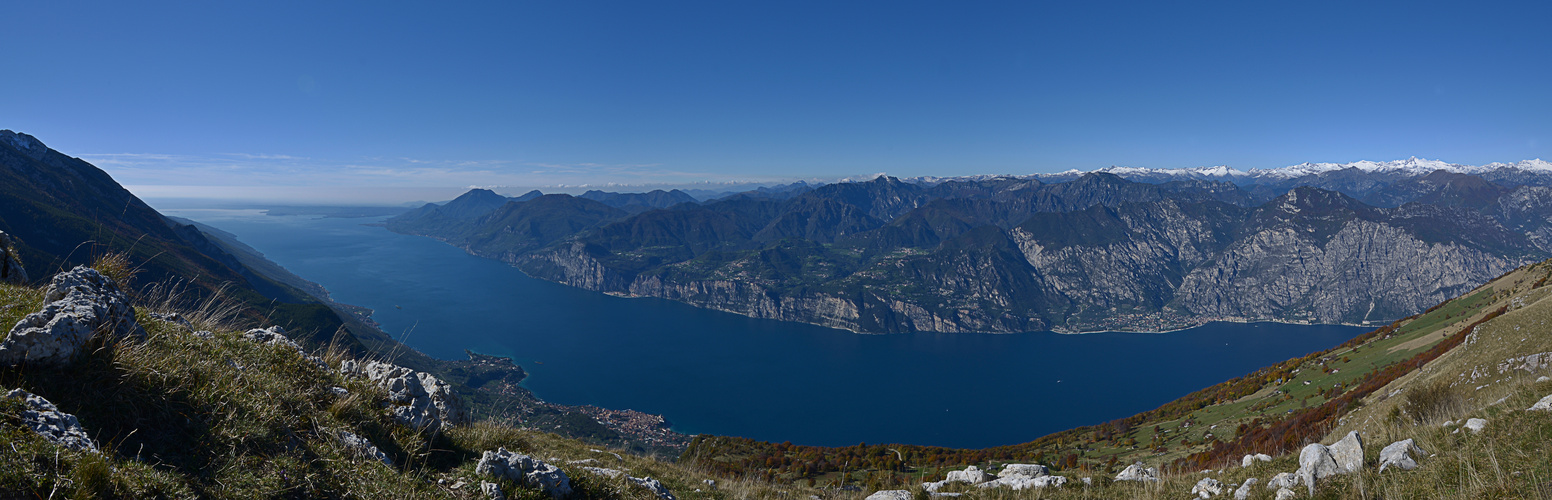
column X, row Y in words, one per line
column 524, row 470
column 1544, row 405
column 1136, row 472
column 361, row 446
column 1031, row 471
column 276, row 336
column 1245, row 489
column 1316, row 463
column 971, row 474
column 80, row 304
column 1348, row 453
column 1399, row 455
column 1282, row 480
column 419, row 399
column 1250, row 460
column 1024, row 482
column 1207, row 488
column 653, row 485
column 45, row 419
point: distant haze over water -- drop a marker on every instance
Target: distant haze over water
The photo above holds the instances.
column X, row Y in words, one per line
column 720, row 373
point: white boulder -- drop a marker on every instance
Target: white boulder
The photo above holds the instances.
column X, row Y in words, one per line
column 418, row 399
column 524, row 470
column 1316, row 463
column 653, row 485
column 1286, row 494
column 79, row 305
column 361, row 446
column 1282, row 480
column 1207, row 488
column 492, row 491
column 971, row 474
column 1348, row 453
column 1136, row 472
column 1250, row 460
column 1025, row 470
column 1399, row 455
column 1544, row 405
column 56, row 426
column 1476, row 425
column 1245, row 489
column 276, row 336
column 1017, row 483
column 890, row 495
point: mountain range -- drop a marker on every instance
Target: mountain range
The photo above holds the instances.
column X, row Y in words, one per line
column 1115, row 249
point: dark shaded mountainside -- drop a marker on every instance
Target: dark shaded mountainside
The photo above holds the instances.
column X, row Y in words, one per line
column 1096, row 252
column 63, row 212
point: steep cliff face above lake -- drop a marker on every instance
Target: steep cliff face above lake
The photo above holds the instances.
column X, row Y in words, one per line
column 1094, row 252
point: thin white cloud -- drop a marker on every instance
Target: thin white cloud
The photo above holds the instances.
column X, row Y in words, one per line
column 274, row 176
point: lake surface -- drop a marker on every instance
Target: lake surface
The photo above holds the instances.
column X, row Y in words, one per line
column 720, row 373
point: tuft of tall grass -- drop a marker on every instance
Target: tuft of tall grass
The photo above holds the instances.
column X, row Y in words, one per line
column 116, row 266
column 215, row 311
column 1433, row 402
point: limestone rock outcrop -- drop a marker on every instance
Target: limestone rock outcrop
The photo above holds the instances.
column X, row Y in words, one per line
column 524, row 470
column 1399, row 455
column 971, row 474
column 1250, row 460
column 79, row 305
column 1017, row 482
column 1348, row 453
column 276, row 336
column 1476, row 425
column 1026, row 470
column 890, row 495
column 653, row 485
column 174, row 318
column 1245, row 490
column 1136, row 472
column 418, row 399
column 1316, row 463
column 1282, row 480
column 492, row 491
column 361, row 446
column 11, row 270
column 1207, row 488
column 1544, row 405
column 56, row 426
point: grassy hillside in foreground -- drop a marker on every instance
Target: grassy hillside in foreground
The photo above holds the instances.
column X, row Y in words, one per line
column 1363, row 385
column 181, row 416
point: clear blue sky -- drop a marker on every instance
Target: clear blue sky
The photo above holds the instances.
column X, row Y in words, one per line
column 333, row 95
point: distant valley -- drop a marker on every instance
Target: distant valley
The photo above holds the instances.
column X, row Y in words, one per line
column 1116, row 249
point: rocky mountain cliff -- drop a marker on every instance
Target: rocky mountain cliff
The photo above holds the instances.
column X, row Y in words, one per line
column 1002, row 254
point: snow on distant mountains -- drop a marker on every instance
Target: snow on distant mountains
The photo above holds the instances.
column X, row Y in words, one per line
column 1410, row 167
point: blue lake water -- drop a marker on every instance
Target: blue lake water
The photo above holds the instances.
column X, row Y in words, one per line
column 720, row 373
